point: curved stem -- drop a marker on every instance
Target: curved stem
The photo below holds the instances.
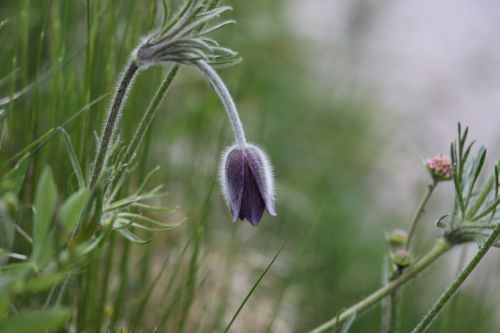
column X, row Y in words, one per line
column 150, row 113
column 452, row 289
column 144, row 124
column 440, row 247
column 419, row 212
column 110, row 124
column 221, row 90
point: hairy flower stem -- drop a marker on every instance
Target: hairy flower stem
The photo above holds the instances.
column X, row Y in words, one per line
column 419, row 212
column 150, row 113
column 145, row 123
column 439, row 248
column 452, row 289
column 221, row 90
column 111, row 120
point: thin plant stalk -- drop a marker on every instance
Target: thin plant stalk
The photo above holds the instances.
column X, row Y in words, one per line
column 418, row 213
column 440, row 247
column 150, row 113
column 391, row 311
column 112, row 119
column 145, row 123
column 250, row 292
column 392, row 308
column 105, row 282
column 221, row 89
column 452, row 289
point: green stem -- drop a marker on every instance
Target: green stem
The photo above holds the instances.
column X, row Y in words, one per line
column 391, row 310
column 452, row 289
column 145, row 123
column 149, row 115
column 111, row 121
column 122, row 292
column 105, row 282
column 440, row 247
column 418, row 213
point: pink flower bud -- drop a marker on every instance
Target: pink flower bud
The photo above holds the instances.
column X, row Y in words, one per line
column 247, row 183
column 402, row 258
column 440, row 167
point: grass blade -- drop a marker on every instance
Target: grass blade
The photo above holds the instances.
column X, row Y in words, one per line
column 247, row 297
column 72, row 157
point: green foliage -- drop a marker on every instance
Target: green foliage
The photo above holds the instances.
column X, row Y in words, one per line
column 13, row 180
column 45, row 205
column 10, row 185
column 72, row 208
column 475, row 205
column 35, row 321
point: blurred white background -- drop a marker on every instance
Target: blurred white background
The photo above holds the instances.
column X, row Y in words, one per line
column 428, row 64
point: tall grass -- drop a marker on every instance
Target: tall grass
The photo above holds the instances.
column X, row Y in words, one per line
column 63, row 61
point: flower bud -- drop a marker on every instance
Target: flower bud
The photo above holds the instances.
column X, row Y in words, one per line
column 397, row 238
column 440, row 167
column 402, row 258
column 247, row 183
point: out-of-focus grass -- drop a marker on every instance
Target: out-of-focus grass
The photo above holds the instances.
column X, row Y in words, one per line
column 193, row 279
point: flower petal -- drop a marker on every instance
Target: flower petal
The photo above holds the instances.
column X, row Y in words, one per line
column 234, row 172
column 261, row 170
column 252, row 204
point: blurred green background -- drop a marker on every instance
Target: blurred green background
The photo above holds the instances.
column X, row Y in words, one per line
column 324, row 130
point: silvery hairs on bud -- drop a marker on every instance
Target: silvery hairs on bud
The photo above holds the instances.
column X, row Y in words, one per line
column 247, row 183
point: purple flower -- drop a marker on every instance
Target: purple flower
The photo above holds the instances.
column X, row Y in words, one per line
column 247, row 183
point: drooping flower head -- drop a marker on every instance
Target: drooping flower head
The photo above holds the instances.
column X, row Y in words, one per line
column 247, row 183
column 440, row 167
column 246, row 172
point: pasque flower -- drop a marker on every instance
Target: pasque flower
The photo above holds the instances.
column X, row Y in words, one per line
column 246, row 176
column 245, row 173
column 247, row 183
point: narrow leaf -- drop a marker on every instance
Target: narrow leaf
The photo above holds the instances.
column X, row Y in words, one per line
column 73, row 159
column 247, row 297
column 456, row 180
column 45, row 203
column 14, row 178
column 71, row 209
column 133, row 237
